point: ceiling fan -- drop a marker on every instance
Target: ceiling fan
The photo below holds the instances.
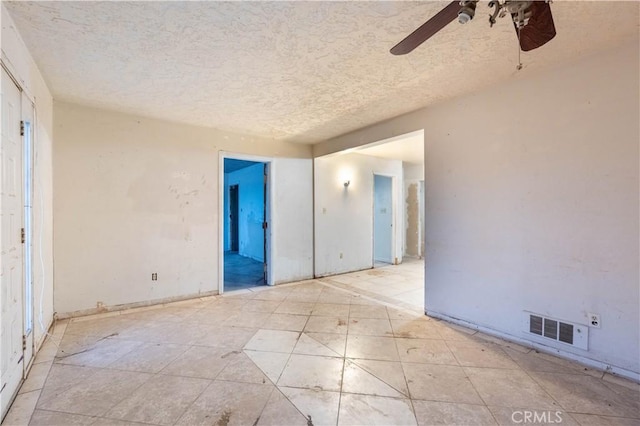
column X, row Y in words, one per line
column 532, row 20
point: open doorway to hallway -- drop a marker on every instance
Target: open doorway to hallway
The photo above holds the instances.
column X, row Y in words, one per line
column 245, row 219
column 369, row 218
column 383, row 218
column 400, row 285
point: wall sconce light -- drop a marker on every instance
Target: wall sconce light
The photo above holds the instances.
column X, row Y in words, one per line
column 344, row 176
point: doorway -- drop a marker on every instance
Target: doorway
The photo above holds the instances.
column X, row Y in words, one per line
column 16, row 335
column 245, row 224
column 382, row 220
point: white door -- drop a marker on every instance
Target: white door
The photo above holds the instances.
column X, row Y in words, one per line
column 27, row 180
column 11, row 267
column 382, row 219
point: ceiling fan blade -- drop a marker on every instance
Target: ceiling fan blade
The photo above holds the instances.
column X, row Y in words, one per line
column 428, row 29
column 540, row 28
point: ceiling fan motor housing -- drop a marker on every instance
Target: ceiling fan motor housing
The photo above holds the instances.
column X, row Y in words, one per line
column 519, row 11
column 517, row 6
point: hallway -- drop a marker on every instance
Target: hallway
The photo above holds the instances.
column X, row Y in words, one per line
column 402, row 284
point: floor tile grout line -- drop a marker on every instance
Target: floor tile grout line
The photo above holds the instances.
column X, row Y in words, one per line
column 315, row 340
column 344, row 362
column 406, row 382
column 64, row 332
column 122, row 399
column 67, row 387
column 543, row 389
column 373, row 299
column 211, row 382
column 405, row 398
column 395, row 342
column 60, row 412
column 475, row 389
column 35, row 407
column 355, row 361
column 602, row 415
column 453, row 353
column 273, row 389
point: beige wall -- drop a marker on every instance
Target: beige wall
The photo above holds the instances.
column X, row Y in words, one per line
column 532, row 202
column 136, row 196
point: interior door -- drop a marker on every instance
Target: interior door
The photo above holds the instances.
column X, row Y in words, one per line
column 11, row 267
column 265, row 223
column 382, row 219
column 233, row 217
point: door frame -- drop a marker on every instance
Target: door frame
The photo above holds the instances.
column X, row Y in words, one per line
column 222, row 155
column 394, row 223
column 422, row 207
column 28, row 158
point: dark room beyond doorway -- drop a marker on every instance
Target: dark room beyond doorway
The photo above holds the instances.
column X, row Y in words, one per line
column 245, row 224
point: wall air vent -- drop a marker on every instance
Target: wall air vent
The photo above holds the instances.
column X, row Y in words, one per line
column 549, row 330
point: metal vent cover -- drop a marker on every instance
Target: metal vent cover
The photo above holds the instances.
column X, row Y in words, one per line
column 555, row 330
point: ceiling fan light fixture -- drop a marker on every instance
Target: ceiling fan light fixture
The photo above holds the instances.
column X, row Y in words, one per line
column 467, row 12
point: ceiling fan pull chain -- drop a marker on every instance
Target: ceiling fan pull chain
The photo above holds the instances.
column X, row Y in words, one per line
column 519, row 66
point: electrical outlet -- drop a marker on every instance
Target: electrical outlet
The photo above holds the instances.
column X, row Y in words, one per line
column 594, row 320
column 154, row 276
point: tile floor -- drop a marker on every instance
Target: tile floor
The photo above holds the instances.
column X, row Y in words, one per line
column 399, row 284
column 241, row 272
column 310, row 353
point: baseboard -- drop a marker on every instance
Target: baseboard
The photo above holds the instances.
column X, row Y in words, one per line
column 599, row 365
column 38, row 344
column 116, row 308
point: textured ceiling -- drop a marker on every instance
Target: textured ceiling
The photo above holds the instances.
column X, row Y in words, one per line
column 297, row 71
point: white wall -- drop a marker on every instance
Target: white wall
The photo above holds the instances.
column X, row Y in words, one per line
column 135, row 196
column 344, row 216
column 250, row 210
column 413, row 172
column 538, row 210
column 291, row 224
column 21, row 65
